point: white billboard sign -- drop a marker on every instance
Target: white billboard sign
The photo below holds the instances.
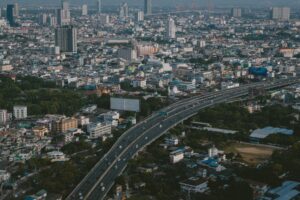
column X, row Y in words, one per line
column 125, row 104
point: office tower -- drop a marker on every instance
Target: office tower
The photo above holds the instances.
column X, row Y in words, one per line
column 236, row 12
column 104, row 19
column 66, row 39
column 281, row 13
column 84, row 9
column 16, row 10
column 171, row 29
column 52, row 21
column 20, row 112
column 10, row 14
column 124, row 10
column 65, row 5
column 63, row 14
column 3, row 116
column 140, row 16
column 63, row 17
column 43, row 19
column 99, row 6
column 148, row 7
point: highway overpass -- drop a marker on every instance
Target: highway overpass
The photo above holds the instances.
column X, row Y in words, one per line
column 97, row 183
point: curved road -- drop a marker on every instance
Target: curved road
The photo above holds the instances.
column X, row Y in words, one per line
column 100, row 179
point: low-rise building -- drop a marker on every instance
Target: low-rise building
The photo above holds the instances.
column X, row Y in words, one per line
column 57, row 156
column 194, row 184
column 176, row 156
column 4, row 176
column 96, row 130
column 64, row 124
column 173, row 141
column 289, row 190
column 40, row 131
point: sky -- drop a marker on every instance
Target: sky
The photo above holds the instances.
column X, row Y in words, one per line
column 217, row 3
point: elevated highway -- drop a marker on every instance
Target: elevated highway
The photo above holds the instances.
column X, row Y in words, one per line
column 96, row 184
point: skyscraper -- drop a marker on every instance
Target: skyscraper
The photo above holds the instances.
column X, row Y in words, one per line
column 236, row 12
column 123, row 10
column 99, row 6
column 140, row 16
column 16, row 10
column 63, row 17
column 281, row 13
column 10, row 14
column 66, row 39
column 65, row 5
column 63, row 14
column 148, row 7
column 171, row 29
column 84, row 9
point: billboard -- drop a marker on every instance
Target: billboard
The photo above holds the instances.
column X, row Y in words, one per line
column 125, row 104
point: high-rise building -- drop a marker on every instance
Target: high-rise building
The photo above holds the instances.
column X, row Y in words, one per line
column 123, row 10
column 104, row 19
column 3, row 116
column 128, row 54
column 10, row 17
column 63, row 17
column 171, row 29
column 52, row 21
column 236, row 12
column 202, row 43
column 281, row 13
column 140, row 16
column 20, row 112
column 84, row 9
column 148, row 7
column 43, row 19
column 65, row 5
column 63, row 14
column 16, row 10
column 66, row 39
column 99, row 6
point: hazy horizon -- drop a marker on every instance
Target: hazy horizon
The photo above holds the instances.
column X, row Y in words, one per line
column 157, row 3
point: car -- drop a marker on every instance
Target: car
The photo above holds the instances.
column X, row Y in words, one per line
column 103, row 189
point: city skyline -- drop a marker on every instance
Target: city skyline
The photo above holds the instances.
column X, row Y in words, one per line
column 164, row 3
column 149, row 99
